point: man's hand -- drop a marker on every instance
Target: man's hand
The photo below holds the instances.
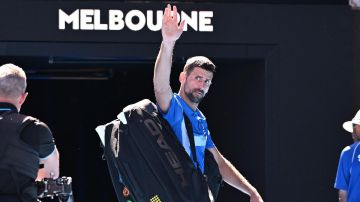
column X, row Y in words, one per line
column 170, row 30
column 233, row 177
column 256, row 197
column 343, row 195
column 51, row 167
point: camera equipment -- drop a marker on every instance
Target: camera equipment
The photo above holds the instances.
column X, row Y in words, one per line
column 60, row 187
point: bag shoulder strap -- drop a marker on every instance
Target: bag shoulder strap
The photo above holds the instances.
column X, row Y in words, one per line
column 191, row 138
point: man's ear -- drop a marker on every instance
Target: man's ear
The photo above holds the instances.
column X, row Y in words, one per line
column 22, row 98
column 182, row 77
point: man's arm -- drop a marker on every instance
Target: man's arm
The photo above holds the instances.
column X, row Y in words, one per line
column 170, row 31
column 233, row 177
column 342, row 196
column 51, row 166
column 39, row 137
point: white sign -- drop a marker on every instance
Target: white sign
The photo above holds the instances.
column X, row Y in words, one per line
column 135, row 20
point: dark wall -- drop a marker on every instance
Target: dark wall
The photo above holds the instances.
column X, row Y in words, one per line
column 356, row 60
column 307, row 72
column 237, row 120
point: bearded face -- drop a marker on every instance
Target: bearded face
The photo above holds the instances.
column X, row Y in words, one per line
column 195, row 95
column 197, row 84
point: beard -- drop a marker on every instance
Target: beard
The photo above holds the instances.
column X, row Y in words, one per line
column 195, row 96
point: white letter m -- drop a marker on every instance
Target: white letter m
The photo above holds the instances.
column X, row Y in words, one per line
column 72, row 18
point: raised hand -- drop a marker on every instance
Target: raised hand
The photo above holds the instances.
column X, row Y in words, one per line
column 171, row 30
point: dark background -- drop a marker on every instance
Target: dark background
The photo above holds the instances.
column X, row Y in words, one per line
column 286, row 81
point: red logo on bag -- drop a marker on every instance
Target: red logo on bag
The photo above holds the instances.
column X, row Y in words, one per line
column 126, row 192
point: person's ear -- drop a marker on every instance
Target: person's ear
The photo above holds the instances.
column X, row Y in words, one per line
column 22, row 98
column 182, row 77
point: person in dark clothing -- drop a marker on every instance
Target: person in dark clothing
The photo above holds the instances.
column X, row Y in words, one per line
column 27, row 148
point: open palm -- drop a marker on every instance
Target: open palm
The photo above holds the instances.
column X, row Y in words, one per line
column 171, row 31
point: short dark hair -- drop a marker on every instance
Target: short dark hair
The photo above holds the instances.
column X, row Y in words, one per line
column 199, row 61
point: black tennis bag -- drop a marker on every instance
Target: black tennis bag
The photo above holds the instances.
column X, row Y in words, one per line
column 147, row 163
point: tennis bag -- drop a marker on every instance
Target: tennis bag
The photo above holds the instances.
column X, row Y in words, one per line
column 147, row 163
